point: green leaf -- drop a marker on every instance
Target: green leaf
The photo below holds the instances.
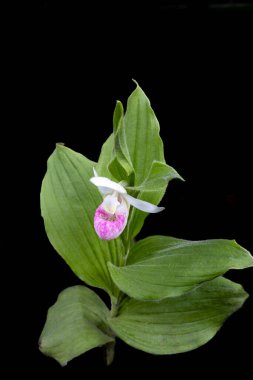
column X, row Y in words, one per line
column 120, row 166
column 142, row 135
column 145, row 148
column 181, row 323
column 158, row 178
column 151, row 190
column 160, row 266
column 75, row 324
column 68, row 204
column 105, row 157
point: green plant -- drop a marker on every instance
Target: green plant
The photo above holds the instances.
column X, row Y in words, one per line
column 167, row 295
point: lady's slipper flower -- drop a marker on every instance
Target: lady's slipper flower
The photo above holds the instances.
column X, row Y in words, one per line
column 111, row 216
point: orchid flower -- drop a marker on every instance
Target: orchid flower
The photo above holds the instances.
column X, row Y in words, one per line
column 111, row 216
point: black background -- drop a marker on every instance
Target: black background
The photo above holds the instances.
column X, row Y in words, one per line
column 194, row 63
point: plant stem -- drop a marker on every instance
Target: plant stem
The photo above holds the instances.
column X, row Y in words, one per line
column 110, row 347
column 109, row 352
column 114, row 307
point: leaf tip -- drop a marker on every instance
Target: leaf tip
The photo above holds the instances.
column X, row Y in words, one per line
column 247, row 254
column 135, row 81
column 119, row 106
column 178, row 176
column 60, row 146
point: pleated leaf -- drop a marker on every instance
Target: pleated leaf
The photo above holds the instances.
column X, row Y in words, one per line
column 120, row 166
column 161, row 266
column 142, row 135
column 158, row 178
column 145, row 149
column 75, row 324
column 152, row 190
column 68, row 204
column 105, row 157
column 181, row 323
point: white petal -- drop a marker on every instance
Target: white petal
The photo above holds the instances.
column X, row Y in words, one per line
column 103, row 182
column 143, row 205
column 110, row 204
column 123, row 207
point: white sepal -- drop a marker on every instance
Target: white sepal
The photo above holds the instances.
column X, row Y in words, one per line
column 142, row 205
column 103, row 182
